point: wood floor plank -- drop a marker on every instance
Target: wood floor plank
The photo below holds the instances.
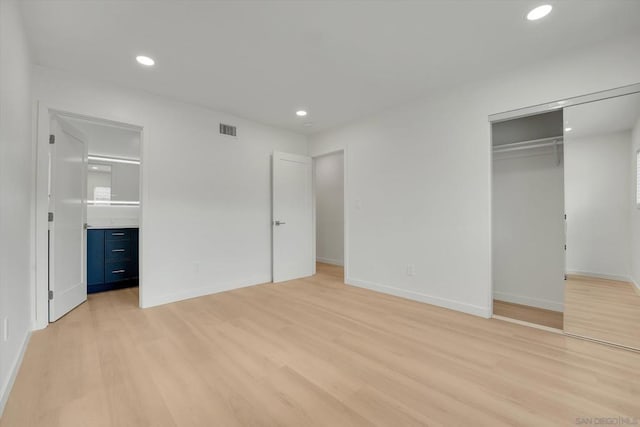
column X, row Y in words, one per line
column 310, row 352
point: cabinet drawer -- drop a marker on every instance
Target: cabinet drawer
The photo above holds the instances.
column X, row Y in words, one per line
column 118, row 250
column 117, row 234
column 117, row 271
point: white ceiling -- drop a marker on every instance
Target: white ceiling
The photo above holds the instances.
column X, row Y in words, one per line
column 601, row 117
column 340, row 60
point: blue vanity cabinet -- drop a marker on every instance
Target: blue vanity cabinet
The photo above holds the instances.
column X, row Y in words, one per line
column 95, row 258
column 112, row 259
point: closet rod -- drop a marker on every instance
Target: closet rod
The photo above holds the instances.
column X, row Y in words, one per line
column 525, row 145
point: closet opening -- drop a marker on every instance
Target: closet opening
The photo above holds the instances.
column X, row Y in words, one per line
column 528, row 223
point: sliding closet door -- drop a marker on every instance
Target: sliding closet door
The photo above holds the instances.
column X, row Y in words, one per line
column 603, row 220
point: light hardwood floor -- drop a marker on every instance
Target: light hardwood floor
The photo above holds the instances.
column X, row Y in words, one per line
column 606, row 310
column 310, row 352
column 330, row 270
column 539, row 316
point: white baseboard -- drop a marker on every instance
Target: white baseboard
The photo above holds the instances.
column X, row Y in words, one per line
column 636, row 284
column 15, row 367
column 530, row 301
column 605, row 276
column 154, row 301
column 330, row 261
column 476, row 310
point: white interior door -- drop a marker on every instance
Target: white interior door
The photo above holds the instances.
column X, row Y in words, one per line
column 292, row 217
column 67, row 203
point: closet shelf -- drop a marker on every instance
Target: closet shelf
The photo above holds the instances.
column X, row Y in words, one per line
column 527, row 145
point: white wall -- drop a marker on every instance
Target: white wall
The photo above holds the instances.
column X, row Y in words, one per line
column 329, row 191
column 418, row 176
column 110, row 141
column 528, row 228
column 597, row 205
column 635, row 210
column 206, row 201
column 16, row 193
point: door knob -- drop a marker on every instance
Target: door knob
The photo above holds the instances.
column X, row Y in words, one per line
column 279, row 222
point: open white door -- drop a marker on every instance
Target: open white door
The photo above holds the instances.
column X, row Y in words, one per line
column 292, row 217
column 67, row 207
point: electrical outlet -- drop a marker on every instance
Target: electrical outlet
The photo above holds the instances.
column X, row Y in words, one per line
column 411, row 270
column 5, row 329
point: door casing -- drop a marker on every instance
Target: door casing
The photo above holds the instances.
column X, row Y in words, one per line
column 344, row 205
column 40, row 284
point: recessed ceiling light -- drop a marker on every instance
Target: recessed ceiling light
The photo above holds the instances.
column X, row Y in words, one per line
column 301, row 113
column 145, row 60
column 539, row 12
column 568, row 129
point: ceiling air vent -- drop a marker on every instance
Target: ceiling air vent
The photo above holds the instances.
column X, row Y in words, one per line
column 227, row 129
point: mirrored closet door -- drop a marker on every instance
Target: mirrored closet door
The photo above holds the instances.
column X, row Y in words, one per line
column 566, row 216
column 602, row 201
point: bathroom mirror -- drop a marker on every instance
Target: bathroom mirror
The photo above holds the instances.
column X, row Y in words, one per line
column 99, row 182
column 113, row 183
column 602, row 298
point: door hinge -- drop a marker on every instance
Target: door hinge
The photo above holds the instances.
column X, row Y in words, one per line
column 50, row 216
column 50, row 295
column 565, row 247
column 52, row 139
column 565, row 216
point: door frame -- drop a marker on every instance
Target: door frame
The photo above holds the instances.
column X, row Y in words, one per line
column 40, row 289
column 345, row 207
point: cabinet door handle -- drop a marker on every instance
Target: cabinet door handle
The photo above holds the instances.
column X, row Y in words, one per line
column 117, row 234
column 117, row 250
column 117, row 271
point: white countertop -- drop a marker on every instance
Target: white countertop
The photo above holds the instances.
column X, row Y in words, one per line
column 108, row 226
